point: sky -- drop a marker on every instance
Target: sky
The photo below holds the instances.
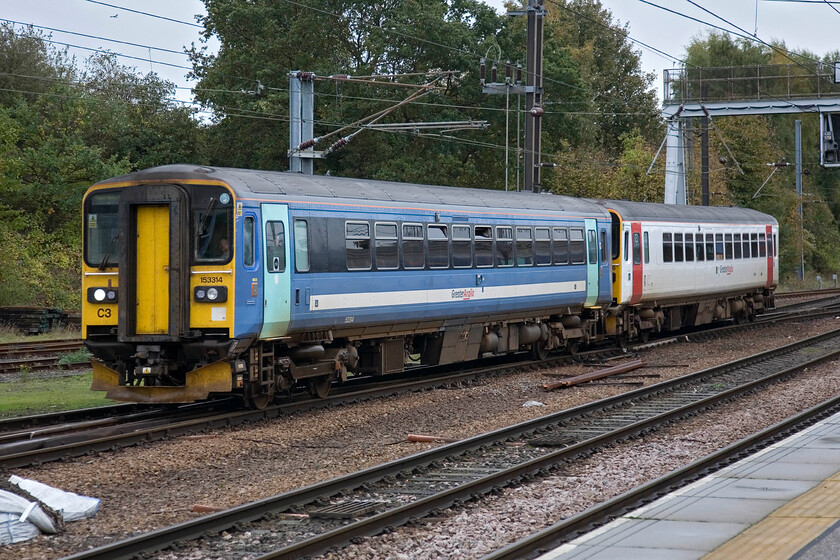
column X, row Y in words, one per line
column 805, row 24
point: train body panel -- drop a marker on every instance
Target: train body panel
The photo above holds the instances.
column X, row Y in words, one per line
column 204, row 280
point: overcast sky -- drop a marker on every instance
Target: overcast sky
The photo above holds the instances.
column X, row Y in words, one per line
column 809, row 25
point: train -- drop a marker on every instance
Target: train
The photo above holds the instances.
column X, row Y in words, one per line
column 204, row 281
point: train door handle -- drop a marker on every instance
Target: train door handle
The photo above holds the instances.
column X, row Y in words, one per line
column 275, row 264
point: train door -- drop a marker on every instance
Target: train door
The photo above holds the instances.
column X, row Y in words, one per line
column 638, row 271
column 592, row 260
column 770, row 257
column 153, row 274
column 277, row 276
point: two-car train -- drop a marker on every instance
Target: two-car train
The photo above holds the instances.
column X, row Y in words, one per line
column 199, row 280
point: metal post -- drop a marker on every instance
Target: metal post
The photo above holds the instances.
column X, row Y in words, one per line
column 294, row 122
column 798, row 141
column 533, row 94
column 307, row 114
column 704, row 160
column 674, row 163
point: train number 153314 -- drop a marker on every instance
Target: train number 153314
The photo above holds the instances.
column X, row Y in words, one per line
column 211, row 279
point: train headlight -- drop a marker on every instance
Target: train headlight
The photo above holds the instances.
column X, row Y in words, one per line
column 102, row 295
column 210, row 294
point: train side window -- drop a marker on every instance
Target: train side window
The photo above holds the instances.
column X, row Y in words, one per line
column 357, row 245
column 577, row 247
column 689, row 247
column 483, row 246
column 746, row 240
column 736, row 253
column 627, row 246
column 667, row 248
column 647, row 248
column 560, row 245
column 461, row 247
column 593, row 246
column 413, row 253
column 524, row 246
column 753, row 245
column 247, row 242
column 301, row 246
column 710, row 247
column 504, row 246
column 678, row 247
column 603, row 246
column 727, row 245
column 699, row 248
column 762, row 245
column 773, row 246
column 275, row 246
column 386, row 252
column 542, row 245
column 718, row 246
column 438, row 239
column 637, row 248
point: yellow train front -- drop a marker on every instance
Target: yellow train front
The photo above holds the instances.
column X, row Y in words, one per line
column 158, row 280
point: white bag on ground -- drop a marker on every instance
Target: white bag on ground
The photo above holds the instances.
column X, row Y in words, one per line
column 12, row 530
column 25, row 511
column 72, row 506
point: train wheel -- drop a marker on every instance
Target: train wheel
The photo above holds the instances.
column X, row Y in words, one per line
column 257, row 397
column 573, row 347
column 320, row 387
column 644, row 336
column 539, row 351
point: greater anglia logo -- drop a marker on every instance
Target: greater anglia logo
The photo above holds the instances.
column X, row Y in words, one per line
column 463, row 294
column 728, row 269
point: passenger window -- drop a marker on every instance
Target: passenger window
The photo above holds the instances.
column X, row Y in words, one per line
column 593, row 246
column 275, row 247
column 637, row 249
column 710, row 247
column 247, row 242
column 542, row 245
column 647, row 248
column 438, row 238
column 386, row 252
column 627, row 246
column 560, row 247
column 301, row 246
column 667, row 248
column 736, row 253
column 700, row 249
column 727, row 246
column 603, row 246
column 524, row 247
column 753, row 245
column 461, row 247
column 577, row 246
column 719, row 246
column 357, row 245
column 773, row 246
column 413, row 252
column 483, row 246
column 689, row 247
column 762, row 245
column 678, row 247
column 504, row 246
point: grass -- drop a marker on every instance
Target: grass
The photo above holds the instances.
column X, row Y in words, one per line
column 10, row 334
column 37, row 396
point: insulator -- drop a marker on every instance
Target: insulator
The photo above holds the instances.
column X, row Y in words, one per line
column 307, row 144
column 493, row 73
column 519, row 72
column 341, row 76
column 337, row 145
column 507, row 70
column 537, row 111
column 306, row 76
column 482, row 71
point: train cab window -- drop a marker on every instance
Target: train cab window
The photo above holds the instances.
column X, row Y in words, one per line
column 727, row 245
column 710, row 247
column 213, row 223
column 275, row 246
column 357, row 245
column 461, row 247
column 301, row 246
column 524, row 246
column 438, row 239
column 678, row 247
column 577, row 246
column 560, row 245
column 637, row 248
column 483, row 246
column 718, row 246
column 504, row 246
column 248, row 252
column 102, row 228
column 736, row 252
column 542, row 246
column 754, row 245
column 413, row 253
column 667, row 248
column 699, row 248
column 647, row 248
column 762, row 246
column 386, row 251
column 689, row 247
column 603, row 246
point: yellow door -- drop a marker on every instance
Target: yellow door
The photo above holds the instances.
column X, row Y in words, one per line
column 152, row 269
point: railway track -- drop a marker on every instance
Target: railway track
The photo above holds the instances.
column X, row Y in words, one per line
column 38, row 356
column 313, row 519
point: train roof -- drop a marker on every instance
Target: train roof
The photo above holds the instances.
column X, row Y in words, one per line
column 686, row 214
column 256, row 183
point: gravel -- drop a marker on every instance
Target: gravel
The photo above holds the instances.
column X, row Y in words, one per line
column 156, row 485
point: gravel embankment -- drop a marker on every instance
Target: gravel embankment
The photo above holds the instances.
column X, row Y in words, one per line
column 156, row 485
